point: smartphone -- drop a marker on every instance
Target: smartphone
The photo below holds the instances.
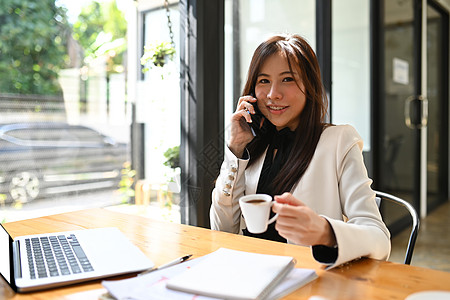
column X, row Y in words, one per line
column 257, row 118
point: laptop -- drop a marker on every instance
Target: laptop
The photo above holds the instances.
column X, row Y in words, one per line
column 43, row 261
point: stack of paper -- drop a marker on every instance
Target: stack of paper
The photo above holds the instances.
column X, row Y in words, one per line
column 224, row 273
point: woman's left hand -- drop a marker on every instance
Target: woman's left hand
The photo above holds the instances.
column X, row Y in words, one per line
column 300, row 224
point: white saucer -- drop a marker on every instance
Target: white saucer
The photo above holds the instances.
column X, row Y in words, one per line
column 430, row 295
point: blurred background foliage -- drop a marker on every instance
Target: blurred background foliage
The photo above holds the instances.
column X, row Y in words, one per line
column 33, row 39
column 101, row 31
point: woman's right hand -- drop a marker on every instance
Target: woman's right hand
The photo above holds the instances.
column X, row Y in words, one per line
column 240, row 132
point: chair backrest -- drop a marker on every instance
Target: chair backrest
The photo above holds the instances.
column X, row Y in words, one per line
column 415, row 220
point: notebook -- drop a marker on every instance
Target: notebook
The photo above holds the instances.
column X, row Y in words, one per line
column 152, row 285
column 232, row 274
column 42, row 261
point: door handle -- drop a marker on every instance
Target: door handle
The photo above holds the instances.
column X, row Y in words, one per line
column 416, row 112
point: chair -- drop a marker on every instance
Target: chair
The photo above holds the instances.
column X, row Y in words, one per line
column 415, row 221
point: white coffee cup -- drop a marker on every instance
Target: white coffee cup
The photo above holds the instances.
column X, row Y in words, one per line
column 256, row 211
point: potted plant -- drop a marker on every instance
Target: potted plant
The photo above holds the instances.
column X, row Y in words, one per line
column 126, row 183
column 157, row 55
column 172, row 156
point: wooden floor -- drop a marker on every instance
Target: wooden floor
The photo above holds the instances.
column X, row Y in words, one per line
column 432, row 248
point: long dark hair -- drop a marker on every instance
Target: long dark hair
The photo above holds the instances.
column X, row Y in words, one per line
column 300, row 57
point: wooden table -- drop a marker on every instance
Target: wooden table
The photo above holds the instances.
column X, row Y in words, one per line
column 163, row 242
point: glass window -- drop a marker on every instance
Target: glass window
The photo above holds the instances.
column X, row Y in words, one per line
column 159, row 93
column 248, row 23
column 351, row 66
column 158, row 105
column 64, row 132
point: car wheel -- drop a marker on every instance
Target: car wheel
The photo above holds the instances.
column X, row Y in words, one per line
column 24, row 187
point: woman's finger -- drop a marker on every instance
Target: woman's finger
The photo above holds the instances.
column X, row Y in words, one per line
column 247, row 98
column 288, row 198
column 246, row 107
column 242, row 113
column 245, row 103
column 288, row 210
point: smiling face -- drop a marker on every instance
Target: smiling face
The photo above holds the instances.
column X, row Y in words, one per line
column 280, row 92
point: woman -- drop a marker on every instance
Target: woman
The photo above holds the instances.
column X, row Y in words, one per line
column 314, row 170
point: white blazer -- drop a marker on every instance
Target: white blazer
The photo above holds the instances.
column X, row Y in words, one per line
column 335, row 185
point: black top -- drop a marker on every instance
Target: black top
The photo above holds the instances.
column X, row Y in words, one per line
column 281, row 142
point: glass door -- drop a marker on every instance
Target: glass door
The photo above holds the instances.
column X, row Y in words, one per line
column 437, row 94
column 413, row 108
column 400, row 145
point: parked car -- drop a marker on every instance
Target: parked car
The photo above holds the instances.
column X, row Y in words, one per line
column 40, row 159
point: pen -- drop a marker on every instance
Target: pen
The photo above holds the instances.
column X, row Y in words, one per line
column 169, row 264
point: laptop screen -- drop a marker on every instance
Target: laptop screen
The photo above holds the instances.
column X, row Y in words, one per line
column 5, row 252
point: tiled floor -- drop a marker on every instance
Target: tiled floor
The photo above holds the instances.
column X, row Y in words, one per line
column 432, row 248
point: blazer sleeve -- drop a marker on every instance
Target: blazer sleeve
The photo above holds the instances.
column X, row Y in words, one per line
column 225, row 213
column 362, row 233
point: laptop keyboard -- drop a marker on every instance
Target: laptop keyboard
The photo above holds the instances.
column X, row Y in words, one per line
column 55, row 256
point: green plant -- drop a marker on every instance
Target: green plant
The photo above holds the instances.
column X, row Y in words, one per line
column 2, row 199
column 101, row 30
column 2, row 204
column 157, row 55
column 126, row 183
column 33, row 41
column 172, row 156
